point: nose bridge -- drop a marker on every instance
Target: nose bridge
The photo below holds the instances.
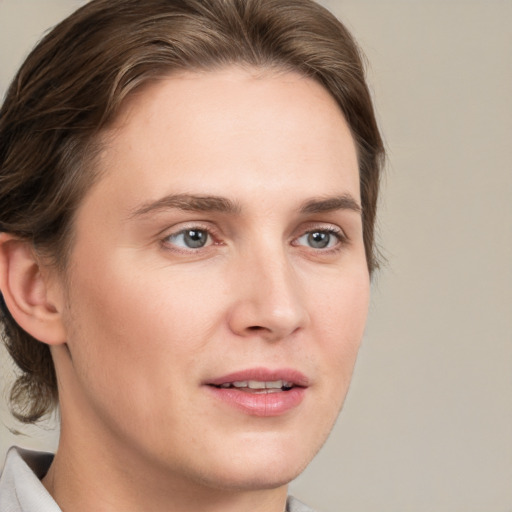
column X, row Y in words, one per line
column 269, row 298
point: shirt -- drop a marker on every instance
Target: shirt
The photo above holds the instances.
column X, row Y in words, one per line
column 21, row 489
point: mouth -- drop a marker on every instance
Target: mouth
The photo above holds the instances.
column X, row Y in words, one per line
column 260, row 392
column 258, row 386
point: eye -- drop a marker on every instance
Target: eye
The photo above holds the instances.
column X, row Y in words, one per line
column 320, row 239
column 190, row 238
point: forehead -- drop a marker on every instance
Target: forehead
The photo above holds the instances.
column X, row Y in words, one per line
column 213, row 130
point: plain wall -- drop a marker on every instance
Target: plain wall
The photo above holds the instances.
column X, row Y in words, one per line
column 427, row 425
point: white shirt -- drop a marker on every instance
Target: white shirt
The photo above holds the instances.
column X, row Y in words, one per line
column 21, row 489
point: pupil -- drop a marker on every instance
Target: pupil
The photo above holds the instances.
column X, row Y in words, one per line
column 195, row 238
column 319, row 240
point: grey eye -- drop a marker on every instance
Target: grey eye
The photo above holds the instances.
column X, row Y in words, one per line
column 190, row 238
column 319, row 239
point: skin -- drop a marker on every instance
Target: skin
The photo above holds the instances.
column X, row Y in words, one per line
column 145, row 320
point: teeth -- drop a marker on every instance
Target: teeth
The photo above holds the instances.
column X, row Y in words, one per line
column 276, row 384
column 258, row 384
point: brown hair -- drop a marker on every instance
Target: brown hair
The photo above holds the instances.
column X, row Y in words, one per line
column 74, row 81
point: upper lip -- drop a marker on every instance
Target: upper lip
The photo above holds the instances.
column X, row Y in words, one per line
column 290, row 375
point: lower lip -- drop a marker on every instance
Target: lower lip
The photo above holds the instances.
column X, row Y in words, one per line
column 260, row 404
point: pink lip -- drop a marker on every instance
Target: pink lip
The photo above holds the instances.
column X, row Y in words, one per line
column 264, row 404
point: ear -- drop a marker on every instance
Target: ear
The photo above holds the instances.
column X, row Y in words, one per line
column 26, row 291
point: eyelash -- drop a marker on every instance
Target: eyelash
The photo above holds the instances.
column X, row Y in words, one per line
column 337, row 233
column 213, row 239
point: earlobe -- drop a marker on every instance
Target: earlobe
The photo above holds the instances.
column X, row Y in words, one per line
column 25, row 291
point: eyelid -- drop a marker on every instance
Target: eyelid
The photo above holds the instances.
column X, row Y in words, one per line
column 323, row 226
column 180, row 228
column 333, row 229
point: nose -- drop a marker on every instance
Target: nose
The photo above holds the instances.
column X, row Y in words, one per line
column 269, row 301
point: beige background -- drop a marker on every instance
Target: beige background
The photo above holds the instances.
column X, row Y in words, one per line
column 427, row 425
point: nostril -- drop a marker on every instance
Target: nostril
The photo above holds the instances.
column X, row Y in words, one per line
column 255, row 328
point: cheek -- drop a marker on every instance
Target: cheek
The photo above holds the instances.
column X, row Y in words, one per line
column 134, row 333
column 340, row 302
column 129, row 316
column 340, row 317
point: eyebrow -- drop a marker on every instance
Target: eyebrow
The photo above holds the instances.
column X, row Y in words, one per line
column 329, row 204
column 188, row 202
column 199, row 203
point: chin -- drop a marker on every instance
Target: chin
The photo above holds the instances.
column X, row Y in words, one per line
column 253, row 478
column 259, row 466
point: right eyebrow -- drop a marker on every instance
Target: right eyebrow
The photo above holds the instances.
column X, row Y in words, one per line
column 328, row 204
column 189, row 203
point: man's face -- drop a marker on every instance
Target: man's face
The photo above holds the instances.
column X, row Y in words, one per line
column 217, row 288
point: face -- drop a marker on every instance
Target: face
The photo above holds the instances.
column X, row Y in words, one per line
column 217, row 288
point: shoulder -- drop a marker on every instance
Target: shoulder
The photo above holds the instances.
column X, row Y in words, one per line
column 294, row 505
column 21, row 489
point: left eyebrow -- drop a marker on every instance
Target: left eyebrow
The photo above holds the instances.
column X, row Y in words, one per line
column 188, row 202
column 328, row 204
